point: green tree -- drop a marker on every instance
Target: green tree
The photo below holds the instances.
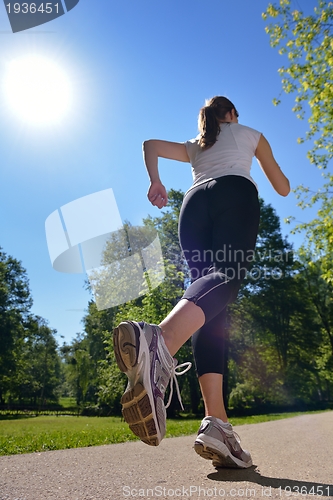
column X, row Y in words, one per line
column 307, row 42
column 319, row 292
column 130, row 266
column 309, row 371
column 319, row 232
column 97, row 326
column 281, row 326
column 29, row 362
column 260, row 332
column 39, row 374
column 15, row 304
column 269, row 288
column 79, row 370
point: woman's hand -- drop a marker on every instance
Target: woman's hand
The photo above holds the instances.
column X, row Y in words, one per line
column 152, row 150
column 157, row 194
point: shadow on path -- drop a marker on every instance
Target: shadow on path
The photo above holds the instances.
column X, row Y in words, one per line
column 289, row 486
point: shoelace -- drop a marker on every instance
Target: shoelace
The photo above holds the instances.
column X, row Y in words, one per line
column 173, row 380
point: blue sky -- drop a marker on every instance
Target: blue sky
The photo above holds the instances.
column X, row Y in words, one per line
column 138, row 70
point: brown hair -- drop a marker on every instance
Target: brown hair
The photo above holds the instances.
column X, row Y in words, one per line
column 210, row 117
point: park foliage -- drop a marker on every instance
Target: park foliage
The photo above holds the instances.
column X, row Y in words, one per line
column 305, row 41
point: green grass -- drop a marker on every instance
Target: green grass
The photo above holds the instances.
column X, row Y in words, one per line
column 67, row 402
column 36, row 434
column 57, row 433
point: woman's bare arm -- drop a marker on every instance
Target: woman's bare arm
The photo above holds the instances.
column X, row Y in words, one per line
column 152, row 150
column 270, row 167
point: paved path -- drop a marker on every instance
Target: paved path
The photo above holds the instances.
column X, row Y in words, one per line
column 293, row 459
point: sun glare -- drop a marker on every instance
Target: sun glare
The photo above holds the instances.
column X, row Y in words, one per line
column 37, row 90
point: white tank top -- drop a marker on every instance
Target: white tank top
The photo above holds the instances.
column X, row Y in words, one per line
column 231, row 154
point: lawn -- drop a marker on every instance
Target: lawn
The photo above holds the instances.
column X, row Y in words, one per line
column 44, row 433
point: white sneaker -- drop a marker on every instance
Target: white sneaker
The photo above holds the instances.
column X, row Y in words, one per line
column 218, row 442
column 142, row 354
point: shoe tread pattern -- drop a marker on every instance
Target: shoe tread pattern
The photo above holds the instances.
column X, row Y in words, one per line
column 136, row 406
column 137, row 412
column 218, row 459
column 124, row 344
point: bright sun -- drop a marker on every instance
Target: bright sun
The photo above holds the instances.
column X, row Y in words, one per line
column 37, row 90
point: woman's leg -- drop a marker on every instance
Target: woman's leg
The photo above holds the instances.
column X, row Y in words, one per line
column 210, row 220
column 210, row 339
column 183, row 319
column 218, row 227
column 236, row 219
column 211, row 385
column 180, row 324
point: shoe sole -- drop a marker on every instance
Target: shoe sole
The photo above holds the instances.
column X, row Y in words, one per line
column 219, row 459
column 136, row 405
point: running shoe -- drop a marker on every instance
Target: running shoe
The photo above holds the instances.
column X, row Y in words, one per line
column 217, row 441
column 142, row 355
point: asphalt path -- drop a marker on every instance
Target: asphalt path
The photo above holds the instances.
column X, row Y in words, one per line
column 293, row 458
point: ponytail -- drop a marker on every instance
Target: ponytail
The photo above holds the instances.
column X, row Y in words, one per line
column 208, row 126
column 210, row 117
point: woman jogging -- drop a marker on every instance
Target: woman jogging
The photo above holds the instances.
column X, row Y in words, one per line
column 218, row 226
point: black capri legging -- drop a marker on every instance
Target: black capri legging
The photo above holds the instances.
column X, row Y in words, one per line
column 218, row 227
